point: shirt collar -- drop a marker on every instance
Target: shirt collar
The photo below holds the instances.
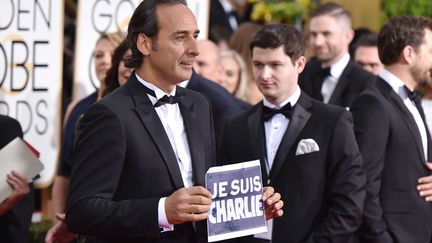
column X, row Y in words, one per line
column 337, row 68
column 184, row 84
column 158, row 92
column 395, row 83
column 292, row 99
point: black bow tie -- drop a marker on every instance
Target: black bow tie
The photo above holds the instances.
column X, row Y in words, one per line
column 172, row 99
column 286, row 110
column 324, row 72
column 413, row 95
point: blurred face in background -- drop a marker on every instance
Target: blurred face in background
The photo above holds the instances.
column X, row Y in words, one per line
column 329, row 38
column 102, row 57
column 124, row 72
column 367, row 57
column 232, row 74
column 207, row 63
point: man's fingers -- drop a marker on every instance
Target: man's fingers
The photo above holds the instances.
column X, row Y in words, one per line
column 426, row 193
column 273, row 199
column 267, row 192
column 194, row 217
column 199, row 200
column 19, row 176
column 198, row 190
column 426, row 179
column 60, row 216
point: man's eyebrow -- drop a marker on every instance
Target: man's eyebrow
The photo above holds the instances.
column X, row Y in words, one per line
column 185, row 32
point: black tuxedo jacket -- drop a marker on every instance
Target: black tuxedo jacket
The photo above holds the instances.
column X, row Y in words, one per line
column 124, row 164
column 223, row 104
column 323, row 191
column 219, row 20
column 351, row 83
column 393, row 156
column 15, row 224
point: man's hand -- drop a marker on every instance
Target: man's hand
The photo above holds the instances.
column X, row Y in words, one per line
column 272, row 202
column 188, row 205
column 59, row 233
column 19, row 185
column 425, row 185
column 20, row 189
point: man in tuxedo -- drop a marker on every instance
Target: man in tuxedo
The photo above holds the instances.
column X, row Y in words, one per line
column 307, row 149
column 16, row 210
column 393, row 138
column 223, row 20
column 366, row 53
column 332, row 76
column 143, row 150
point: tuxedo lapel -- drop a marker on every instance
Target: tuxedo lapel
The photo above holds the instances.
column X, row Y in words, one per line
column 296, row 125
column 406, row 115
column 257, row 136
column 190, row 119
column 342, row 84
column 317, row 80
column 151, row 121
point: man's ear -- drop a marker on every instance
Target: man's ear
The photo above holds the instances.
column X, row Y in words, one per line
column 408, row 54
column 144, row 44
column 300, row 64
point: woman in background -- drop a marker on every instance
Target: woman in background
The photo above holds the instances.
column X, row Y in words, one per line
column 118, row 74
column 240, row 41
column 236, row 75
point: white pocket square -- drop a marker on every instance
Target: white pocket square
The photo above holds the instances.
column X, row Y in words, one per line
column 306, row 146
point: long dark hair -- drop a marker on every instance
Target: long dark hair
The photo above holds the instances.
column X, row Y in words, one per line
column 111, row 79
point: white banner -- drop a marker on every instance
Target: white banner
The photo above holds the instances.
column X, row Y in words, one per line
column 31, row 62
column 100, row 16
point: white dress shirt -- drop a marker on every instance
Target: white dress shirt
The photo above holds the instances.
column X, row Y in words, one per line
column 427, row 108
column 275, row 129
column 330, row 82
column 398, row 87
column 172, row 121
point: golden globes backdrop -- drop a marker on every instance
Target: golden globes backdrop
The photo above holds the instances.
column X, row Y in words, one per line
column 100, row 16
column 31, row 62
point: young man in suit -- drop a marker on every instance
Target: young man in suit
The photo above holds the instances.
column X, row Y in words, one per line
column 307, row 149
column 394, row 139
column 332, row 76
column 16, row 210
column 143, row 150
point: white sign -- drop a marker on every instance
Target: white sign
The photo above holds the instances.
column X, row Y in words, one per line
column 236, row 209
column 31, row 62
column 100, row 16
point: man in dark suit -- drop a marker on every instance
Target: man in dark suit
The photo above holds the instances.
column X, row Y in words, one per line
column 331, row 76
column 143, row 150
column 307, row 149
column 16, row 210
column 223, row 104
column 394, row 139
column 223, row 20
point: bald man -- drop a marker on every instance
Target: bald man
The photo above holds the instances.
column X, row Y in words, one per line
column 207, row 63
